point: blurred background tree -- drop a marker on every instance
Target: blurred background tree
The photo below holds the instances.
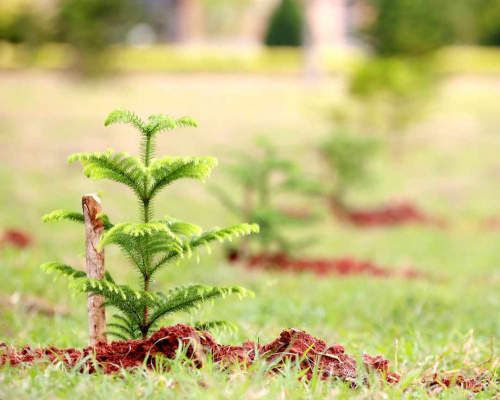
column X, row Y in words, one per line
column 413, row 28
column 286, row 25
column 407, row 27
column 395, row 82
column 393, row 93
column 264, row 177
column 92, row 26
column 390, row 28
column 488, row 22
column 349, row 159
column 474, row 21
column 24, row 26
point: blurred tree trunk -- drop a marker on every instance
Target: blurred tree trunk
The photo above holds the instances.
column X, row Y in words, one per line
column 190, row 22
column 309, row 48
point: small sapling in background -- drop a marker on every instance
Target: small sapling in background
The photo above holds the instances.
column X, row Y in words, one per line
column 348, row 158
column 262, row 176
column 151, row 244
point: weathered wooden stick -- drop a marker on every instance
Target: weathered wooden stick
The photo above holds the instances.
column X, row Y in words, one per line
column 94, row 228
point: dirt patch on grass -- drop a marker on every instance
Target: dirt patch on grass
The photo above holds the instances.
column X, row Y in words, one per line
column 337, row 266
column 15, row 238
column 389, row 215
column 312, row 355
column 492, row 224
column 438, row 382
column 330, row 361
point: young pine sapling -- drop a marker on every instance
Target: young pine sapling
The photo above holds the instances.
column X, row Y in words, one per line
column 262, row 176
column 151, row 244
column 348, row 158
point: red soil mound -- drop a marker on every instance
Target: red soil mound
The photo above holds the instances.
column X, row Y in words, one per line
column 15, row 238
column 113, row 356
column 310, row 353
column 298, row 346
column 492, row 224
column 331, row 361
column 438, row 383
column 389, row 215
column 339, row 266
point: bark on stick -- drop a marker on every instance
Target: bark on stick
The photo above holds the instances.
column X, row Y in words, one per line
column 94, row 228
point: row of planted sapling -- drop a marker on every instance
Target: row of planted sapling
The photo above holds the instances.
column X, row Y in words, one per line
column 347, row 162
column 154, row 244
column 269, row 183
column 151, row 245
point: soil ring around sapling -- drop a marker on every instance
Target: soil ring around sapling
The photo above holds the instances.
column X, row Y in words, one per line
column 312, row 355
column 388, row 215
column 341, row 266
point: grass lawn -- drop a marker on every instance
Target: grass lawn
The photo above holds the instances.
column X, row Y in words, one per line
column 447, row 322
column 192, row 59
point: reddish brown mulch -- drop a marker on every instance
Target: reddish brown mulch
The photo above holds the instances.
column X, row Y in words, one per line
column 311, row 353
column 297, row 346
column 338, row 266
column 436, row 383
column 332, row 361
column 395, row 214
column 15, row 238
column 492, row 224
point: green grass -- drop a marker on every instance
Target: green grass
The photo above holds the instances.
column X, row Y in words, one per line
column 53, row 56
column 447, row 322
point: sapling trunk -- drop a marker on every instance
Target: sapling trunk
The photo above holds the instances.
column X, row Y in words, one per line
column 94, row 228
column 247, row 210
column 337, row 205
column 148, row 146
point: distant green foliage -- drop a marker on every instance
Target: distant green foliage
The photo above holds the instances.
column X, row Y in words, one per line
column 493, row 38
column 24, row 26
column 394, row 90
column 262, row 175
column 408, row 27
column 285, row 25
column 150, row 245
column 392, row 76
column 91, row 26
column 393, row 85
column 474, row 21
column 487, row 21
column 349, row 158
column 415, row 28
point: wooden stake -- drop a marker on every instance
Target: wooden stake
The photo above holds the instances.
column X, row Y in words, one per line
column 94, row 228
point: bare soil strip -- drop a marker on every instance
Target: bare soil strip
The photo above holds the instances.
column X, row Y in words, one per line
column 336, row 266
column 392, row 214
column 312, row 354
